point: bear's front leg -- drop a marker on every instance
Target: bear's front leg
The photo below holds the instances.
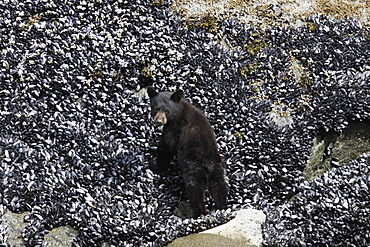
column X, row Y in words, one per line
column 164, row 158
column 217, row 186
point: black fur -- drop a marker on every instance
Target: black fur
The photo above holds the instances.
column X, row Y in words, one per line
column 188, row 135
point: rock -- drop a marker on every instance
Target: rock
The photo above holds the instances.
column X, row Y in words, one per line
column 60, row 236
column 244, row 230
column 275, row 12
column 281, row 115
column 15, row 225
column 207, row 240
column 314, row 166
column 245, row 226
column 333, row 149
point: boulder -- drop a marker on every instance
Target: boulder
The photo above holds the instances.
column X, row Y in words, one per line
column 244, row 230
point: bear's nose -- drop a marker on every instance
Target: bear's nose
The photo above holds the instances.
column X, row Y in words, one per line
column 159, row 122
column 160, row 119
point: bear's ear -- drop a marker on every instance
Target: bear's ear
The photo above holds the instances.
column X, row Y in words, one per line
column 151, row 92
column 176, row 96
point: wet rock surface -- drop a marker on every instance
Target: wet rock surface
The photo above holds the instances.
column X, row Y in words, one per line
column 338, row 198
column 76, row 138
column 208, row 240
column 245, row 227
column 13, row 225
column 60, row 237
column 332, row 149
column 265, row 14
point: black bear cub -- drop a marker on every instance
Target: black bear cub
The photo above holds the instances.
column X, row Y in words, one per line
column 188, row 135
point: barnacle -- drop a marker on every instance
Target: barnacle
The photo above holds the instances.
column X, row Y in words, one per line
column 97, row 72
column 255, row 46
column 208, row 23
column 312, row 26
column 158, row 2
column 250, row 68
column 300, row 72
column 148, row 70
column 239, row 135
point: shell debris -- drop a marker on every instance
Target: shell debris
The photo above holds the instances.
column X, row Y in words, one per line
column 76, row 138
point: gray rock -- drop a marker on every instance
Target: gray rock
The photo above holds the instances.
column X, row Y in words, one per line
column 333, row 149
column 207, row 240
column 15, row 225
column 291, row 13
column 244, row 230
column 281, row 115
column 58, row 237
column 246, row 226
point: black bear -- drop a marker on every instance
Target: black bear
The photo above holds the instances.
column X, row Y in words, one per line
column 188, row 135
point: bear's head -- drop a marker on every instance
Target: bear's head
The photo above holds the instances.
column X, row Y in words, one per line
column 165, row 106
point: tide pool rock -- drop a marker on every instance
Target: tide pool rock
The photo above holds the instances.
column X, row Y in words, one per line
column 244, row 230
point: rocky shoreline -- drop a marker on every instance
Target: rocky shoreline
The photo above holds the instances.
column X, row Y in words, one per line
column 282, row 88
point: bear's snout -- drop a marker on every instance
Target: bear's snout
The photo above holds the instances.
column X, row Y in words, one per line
column 160, row 118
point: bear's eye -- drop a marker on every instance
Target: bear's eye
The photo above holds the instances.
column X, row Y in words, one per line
column 166, row 111
column 156, row 109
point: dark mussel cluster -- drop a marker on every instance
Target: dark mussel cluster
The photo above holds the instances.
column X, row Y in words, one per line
column 76, row 140
column 332, row 210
